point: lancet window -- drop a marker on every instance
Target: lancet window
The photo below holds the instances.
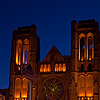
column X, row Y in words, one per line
column 90, row 47
column 18, row 51
column 45, row 68
column 82, row 48
column 25, row 51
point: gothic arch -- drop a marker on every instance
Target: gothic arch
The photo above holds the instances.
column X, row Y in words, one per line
column 81, row 46
column 89, row 85
column 18, row 51
column 90, row 46
column 24, row 87
column 26, row 41
column 17, row 87
column 56, row 68
column 81, row 85
column 25, row 51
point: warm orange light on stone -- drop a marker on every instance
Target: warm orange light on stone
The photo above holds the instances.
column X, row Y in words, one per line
column 19, row 68
column 64, row 67
column 45, row 68
column 41, row 68
column 17, row 58
column 60, row 67
column 56, row 67
column 82, row 98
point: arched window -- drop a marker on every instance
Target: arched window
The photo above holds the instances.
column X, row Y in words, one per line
column 56, row 68
column 45, row 68
column 89, row 85
column 64, row 67
column 90, row 47
column 41, row 68
column 24, row 87
column 82, row 48
column 17, row 87
column 18, row 51
column 60, row 67
column 26, row 57
column 25, row 51
column 81, row 86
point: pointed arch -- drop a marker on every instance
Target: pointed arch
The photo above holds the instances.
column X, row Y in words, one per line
column 89, row 85
column 81, row 46
column 25, row 51
column 45, row 68
column 56, row 68
column 64, row 67
column 26, row 41
column 81, row 86
column 17, row 87
column 60, row 67
column 90, row 46
column 24, row 87
column 18, row 51
column 41, row 68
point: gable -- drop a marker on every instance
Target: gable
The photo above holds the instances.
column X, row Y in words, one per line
column 53, row 55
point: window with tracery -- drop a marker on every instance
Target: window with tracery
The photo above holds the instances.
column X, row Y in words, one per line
column 53, row 89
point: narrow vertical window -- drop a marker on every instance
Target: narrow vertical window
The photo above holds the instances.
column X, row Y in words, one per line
column 45, row 68
column 82, row 48
column 41, row 68
column 90, row 47
column 19, row 56
column 60, row 67
column 26, row 57
column 18, row 52
column 56, row 67
column 64, row 67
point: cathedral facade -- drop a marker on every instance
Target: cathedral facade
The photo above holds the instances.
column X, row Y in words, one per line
column 74, row 77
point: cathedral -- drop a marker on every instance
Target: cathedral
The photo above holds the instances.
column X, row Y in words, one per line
column 59, row 77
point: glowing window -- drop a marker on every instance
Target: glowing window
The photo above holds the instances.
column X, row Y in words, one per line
column 26, row 57
column 45, row 68
column 64, row 67
column 90, row 47
column 82, row 48
column 41, row 68
column 56, row 67
column 60, row 67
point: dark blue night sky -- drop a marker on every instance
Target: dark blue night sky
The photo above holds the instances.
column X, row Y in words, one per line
column 53, row 20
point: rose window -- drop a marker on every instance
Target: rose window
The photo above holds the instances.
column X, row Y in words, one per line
column 52, row 89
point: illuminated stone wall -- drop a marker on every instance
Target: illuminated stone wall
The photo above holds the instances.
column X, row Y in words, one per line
column 74, row 77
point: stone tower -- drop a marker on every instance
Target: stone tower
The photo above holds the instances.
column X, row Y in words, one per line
column 25, row 50
column 74, row 77
column 85, row 60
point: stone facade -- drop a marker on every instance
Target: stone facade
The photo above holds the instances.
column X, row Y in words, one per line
column 74, row 77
